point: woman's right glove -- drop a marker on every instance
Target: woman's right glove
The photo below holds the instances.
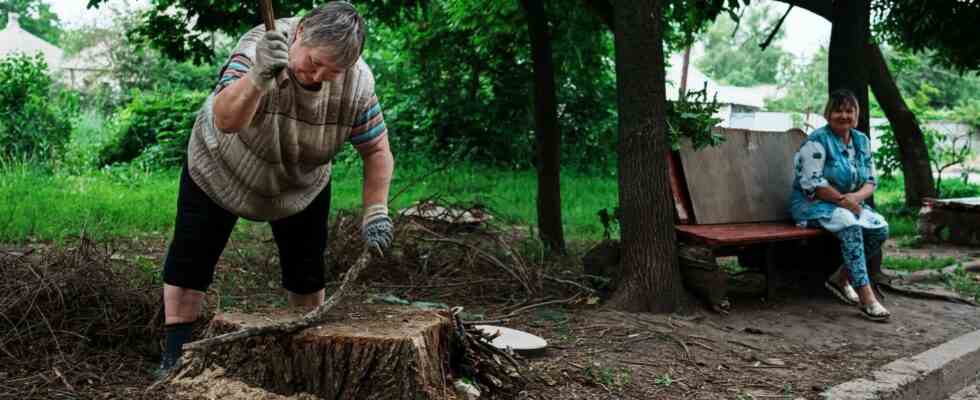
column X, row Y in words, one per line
column 271, row 56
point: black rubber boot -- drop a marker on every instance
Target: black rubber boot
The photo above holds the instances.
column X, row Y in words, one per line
column 177, row 335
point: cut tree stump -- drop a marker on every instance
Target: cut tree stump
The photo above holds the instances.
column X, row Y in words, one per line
column 368, row 352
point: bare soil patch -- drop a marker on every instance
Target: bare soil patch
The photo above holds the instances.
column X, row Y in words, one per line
column 53, row 345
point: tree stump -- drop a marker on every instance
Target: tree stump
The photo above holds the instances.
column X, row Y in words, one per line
column 955, row 221
column 367, row 352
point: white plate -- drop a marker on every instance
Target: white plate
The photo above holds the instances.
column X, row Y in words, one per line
column 519, row 341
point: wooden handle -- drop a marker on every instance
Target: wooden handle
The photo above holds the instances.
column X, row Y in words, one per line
column 268, row 17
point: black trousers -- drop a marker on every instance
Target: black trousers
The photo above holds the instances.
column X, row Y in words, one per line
column 202, row 229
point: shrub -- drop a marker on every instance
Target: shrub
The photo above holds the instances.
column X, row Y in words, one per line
column 31, row 124
column 90, row 130
column 154, row 127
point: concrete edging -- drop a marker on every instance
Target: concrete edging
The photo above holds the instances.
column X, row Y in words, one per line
column 932, row 375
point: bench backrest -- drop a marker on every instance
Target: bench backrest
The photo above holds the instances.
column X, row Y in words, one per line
column 747, row 178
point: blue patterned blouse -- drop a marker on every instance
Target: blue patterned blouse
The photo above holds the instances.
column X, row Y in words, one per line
column 824, row 160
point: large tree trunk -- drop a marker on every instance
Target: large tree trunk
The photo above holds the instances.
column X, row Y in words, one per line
column 386, row 352
column 546, row 132
column 848, row 63
column 914, row 155
column 651, row 277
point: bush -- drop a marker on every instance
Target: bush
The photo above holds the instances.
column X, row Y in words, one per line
column 90, row 130
column 154, row 127
column 31, row 124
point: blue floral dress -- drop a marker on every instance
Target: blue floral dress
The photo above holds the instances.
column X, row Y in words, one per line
column 825, row 160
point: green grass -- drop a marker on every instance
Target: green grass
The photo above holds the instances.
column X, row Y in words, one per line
column 965, row 284
column 38, row 205
column 916, row 263
column 124, row 201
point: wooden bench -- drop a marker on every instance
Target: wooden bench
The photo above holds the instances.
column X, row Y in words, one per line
column 734, row 199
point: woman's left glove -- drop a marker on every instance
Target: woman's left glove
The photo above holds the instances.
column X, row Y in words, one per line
column 377, row 229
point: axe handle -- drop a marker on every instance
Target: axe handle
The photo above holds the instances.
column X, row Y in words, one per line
column 268, row 17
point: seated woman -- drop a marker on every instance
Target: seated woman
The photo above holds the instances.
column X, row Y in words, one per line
column 834, row 177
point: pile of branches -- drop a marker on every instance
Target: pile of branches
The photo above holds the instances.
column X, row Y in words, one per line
column 447, row 256
column 73, row 326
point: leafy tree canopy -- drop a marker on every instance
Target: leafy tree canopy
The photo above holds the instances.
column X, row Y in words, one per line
column 913, row 72
column 804, row 85
column 35, row 16
column 732, row 54
column 948, row 28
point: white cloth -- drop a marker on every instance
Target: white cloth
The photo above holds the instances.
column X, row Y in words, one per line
column 843, row 218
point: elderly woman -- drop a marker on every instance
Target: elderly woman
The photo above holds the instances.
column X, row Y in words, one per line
column 261, row 149
column 834, row 177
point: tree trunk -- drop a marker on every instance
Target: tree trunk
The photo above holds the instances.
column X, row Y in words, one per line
column 546, row 132
column 651, row 277
column 848, row 62
column 386, row 353
column 913, row 153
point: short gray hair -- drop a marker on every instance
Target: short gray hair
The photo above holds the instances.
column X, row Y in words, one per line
column 338, row 27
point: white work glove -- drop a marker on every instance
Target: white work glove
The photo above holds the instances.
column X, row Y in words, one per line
column 271, row 56
column 376, row 228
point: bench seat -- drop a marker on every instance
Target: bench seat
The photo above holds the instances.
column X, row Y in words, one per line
column 740, row 234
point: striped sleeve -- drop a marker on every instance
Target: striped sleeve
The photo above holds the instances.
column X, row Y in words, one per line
column 237, row 66
column 369, row 126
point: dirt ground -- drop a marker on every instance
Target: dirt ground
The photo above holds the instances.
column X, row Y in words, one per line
column 794, row 346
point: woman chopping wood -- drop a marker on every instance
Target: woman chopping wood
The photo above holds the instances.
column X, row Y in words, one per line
column 288, row 100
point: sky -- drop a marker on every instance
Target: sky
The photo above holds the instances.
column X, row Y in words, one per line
column 805, row 31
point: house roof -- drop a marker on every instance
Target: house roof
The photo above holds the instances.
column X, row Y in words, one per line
column 14, row 39
column 696, row 80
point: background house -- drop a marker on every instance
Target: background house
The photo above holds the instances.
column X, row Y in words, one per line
column 14, row 39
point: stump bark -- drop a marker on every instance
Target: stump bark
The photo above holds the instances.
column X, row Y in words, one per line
column 368, row 352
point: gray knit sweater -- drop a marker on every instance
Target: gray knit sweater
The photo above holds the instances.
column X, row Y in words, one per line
column 276, row 166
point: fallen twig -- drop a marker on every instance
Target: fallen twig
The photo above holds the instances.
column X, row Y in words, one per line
column 744, row 344
column 518, row 311
column 570, row 283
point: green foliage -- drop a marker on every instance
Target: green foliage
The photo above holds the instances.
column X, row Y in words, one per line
column 454, row 77
column 609, row 377
column 34, row 120
column 481, row 109
column 920, row 74
column 944, row 150
column 964, row 283
column 917, row 263
column 126, row 200
column 732, row 55
column 39, row 205
column 35, row 16
column 805, row 83
column 949, row 28
column 692, row 117
column 89, row 133
column 155, row 127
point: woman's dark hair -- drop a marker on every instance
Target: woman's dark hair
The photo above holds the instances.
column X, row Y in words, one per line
column 841, row 99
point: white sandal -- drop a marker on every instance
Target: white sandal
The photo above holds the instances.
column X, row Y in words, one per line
column 850, row 294
column 875, row 311
column 843, row 293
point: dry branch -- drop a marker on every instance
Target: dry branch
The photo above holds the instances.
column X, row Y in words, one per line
column 312, row 318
